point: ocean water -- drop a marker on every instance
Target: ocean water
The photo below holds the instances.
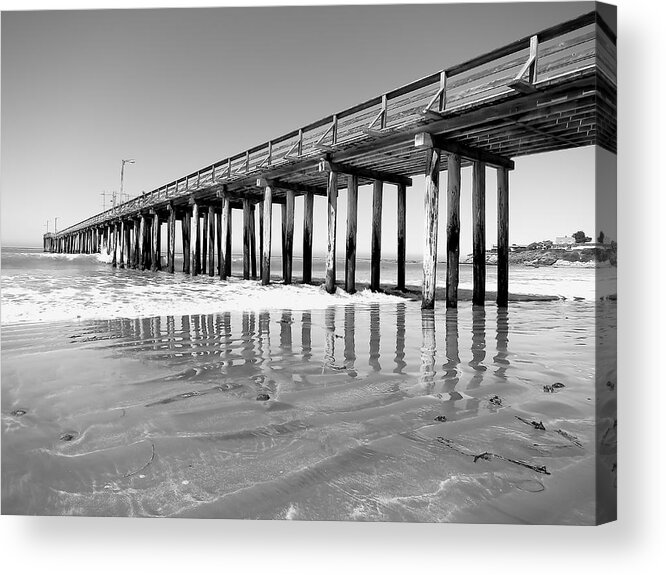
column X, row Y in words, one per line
column 132, row 393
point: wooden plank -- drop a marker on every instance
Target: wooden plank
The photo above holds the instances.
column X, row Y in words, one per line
column 376, row 244
column 266, row 251
column 502, row 237
column 479, row 233
column 195, row 250
column 452, row 229
column 308, row 214
column 211, row 241
column 328, row 166
column 246, row 239
column 431, row 217
column 352, row 220
column 453, row 147
column 402, row 235
column 289, row 237
column 332, row 205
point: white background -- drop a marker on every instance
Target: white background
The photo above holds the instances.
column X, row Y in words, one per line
column 635, row 543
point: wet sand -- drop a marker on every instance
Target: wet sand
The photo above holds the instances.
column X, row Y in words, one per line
column 376, row 412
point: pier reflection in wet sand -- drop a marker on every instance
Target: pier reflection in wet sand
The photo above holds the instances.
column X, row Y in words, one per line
column 352, row 401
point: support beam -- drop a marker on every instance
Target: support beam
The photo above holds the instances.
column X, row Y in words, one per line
column 127, row 239
column 136, row 252
column 220, row 253
column 142, row 242
column 246, row 238
column 431, row 216
column 352, row 218
column 260, row 210
column 171, row 240
column 376, row 245
column 402, row 235
column 121, row 257
column 253, row 244
column 155, row 256
column 227, row 253
column 308, row 215
column 147, row 249
column 283, row 238
column 114, row 261
column 293, row 186
column 452, row 230
column 502, row 237
column 225, row 222
column 289, row 237
column 479, row 233
column 452, row 147
column 328, row 166
column 266, row 251
column 211, row 241
column 186, row 231
column 332, row 203
column 195, row 253
column 204, row 240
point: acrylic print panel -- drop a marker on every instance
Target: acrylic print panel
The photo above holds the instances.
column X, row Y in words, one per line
column 307, row 269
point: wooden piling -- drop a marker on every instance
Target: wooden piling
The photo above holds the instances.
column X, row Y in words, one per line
column 283, row 238
column 253, row 244
column 155, row 263
column 171, row 240
column 452, row 229
column 204, row 241
column 185, row 230
column 195, row 253
column 136, row 257
column 218, row 242
column 266, row 250
column 127, row 238
column 246, row 238
column 308, row 216
column 289, row 237
column 376, row 245
column 260, row 215
column 225, row 255
column 431, row 217
column 142, row 242
column 211, row 241
column 352, row 220
column 479, row 233
column 332, row 203
column 402, row 235
column 502, row 237
column 114, row 261
column 228, row 255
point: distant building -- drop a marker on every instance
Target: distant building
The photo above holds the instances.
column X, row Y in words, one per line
column 564, row 241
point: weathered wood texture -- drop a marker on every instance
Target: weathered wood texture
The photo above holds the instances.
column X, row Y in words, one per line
column 155, row 252
column 289, row 237
column 376, row 244
column 308, row 217
column 332, row 205
column 171, row 241
column 204, row 241
column 452, row 229
column 402, row 235
column 253, row 244
column 211, row 241
column 479, row 233
column 142, row 242
column 352, row 221
column 195, row 253
column 186, row 233
column 266, row 252
column 502, row 237
column 228, row 255
column 246, row 239
column 225, row 252
column 260, row 215
column 431, row 218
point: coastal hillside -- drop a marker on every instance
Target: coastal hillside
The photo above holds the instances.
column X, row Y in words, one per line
column 586, row 257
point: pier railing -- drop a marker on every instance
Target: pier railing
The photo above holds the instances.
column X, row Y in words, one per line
column 572, row 48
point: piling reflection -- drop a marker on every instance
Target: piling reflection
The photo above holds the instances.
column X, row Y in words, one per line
column 266, row 345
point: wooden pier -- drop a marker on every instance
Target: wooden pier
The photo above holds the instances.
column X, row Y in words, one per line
column 553, row 90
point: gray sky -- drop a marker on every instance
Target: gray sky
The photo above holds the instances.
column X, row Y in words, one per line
column 178, row 89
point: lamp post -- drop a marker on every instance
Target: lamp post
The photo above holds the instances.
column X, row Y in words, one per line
column 122, row 176
column 55, row 225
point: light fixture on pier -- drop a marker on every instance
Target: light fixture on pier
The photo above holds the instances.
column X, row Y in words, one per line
column 122, row 175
